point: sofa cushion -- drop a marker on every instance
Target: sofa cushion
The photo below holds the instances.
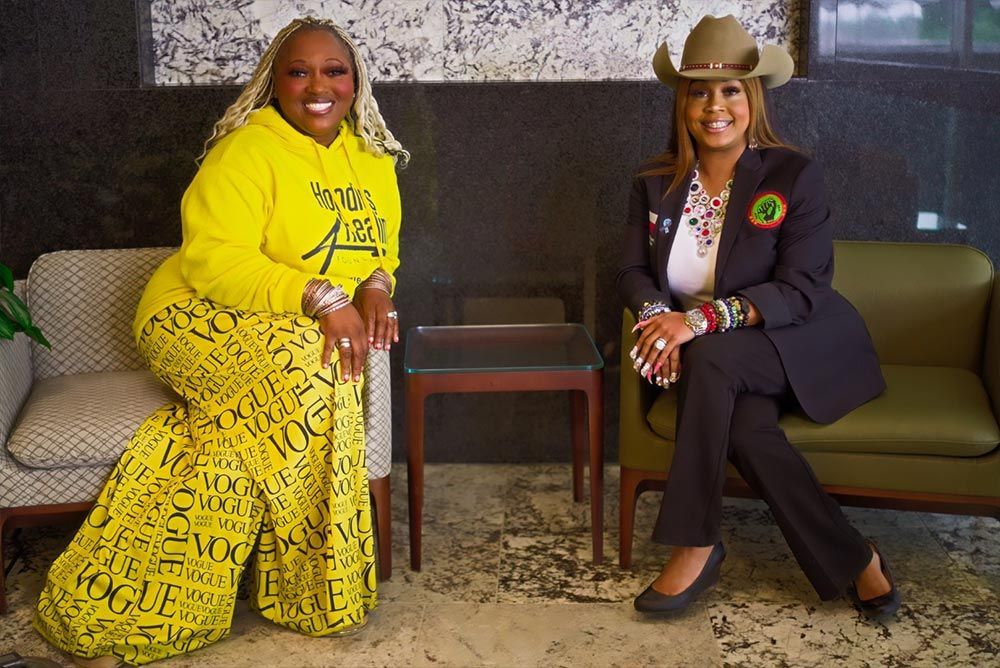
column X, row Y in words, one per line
column 84, row 419
column 924, row 411
column 891, row 283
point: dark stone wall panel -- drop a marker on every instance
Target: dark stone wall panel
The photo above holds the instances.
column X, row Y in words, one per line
column 88, row 44
column 516, row 190
column 20, row 69
column 104, row 169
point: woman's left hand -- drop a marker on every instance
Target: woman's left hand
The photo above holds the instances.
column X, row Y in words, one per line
column 661, row 359
column 379, row 315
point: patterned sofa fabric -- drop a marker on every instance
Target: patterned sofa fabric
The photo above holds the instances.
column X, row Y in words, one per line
column 67, row 414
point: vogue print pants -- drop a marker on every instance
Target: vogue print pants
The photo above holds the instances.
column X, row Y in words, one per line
column 263, row 459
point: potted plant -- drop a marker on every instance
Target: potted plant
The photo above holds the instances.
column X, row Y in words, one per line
column 14, row 316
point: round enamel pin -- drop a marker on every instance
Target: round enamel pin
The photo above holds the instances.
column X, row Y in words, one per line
column 767, row 210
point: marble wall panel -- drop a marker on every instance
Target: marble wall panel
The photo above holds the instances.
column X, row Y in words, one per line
column 590, row 40
column 212, row 42
column 206, row 42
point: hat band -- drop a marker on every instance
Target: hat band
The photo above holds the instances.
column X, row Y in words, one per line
column 716, row 66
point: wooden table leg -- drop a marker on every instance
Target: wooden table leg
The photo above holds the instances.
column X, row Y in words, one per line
column 577, row 416
column 415, row 463
column 595, row 414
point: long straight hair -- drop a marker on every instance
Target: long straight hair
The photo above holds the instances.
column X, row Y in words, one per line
column 681, row 154
column 364, row 115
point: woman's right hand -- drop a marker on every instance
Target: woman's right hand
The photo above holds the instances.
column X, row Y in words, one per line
column 338, row 327
column 652, row 361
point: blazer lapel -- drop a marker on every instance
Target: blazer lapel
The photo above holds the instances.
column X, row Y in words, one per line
column 670, row 209
column 745, row 181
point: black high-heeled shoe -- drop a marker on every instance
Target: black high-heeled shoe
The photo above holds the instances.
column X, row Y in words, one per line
column 652, row 601
column 884, row 604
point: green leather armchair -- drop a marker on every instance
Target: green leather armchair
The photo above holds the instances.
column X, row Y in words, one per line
column 929, row 442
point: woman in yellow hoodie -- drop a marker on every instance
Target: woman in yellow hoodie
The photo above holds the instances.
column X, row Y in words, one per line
column 261, row 322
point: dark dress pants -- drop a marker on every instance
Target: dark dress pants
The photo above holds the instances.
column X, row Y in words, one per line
column 730, row 393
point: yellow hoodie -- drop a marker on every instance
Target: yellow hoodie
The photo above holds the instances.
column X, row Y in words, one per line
column 270, row 209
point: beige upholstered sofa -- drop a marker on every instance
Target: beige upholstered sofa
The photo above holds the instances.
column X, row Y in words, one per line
column 67, row 413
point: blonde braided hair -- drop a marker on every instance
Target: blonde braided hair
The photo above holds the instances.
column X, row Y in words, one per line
column 364, row 115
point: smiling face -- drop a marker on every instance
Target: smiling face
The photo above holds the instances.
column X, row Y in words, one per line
column 314, row 83
column 717, row 114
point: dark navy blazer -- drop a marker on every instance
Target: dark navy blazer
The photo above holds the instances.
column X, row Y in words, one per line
column 784, row 270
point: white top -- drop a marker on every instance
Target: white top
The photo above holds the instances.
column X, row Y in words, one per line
column 691, row 277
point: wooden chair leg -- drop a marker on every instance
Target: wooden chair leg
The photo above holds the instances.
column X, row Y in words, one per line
column 630, row 480
column 382, row 497
column 3, row 568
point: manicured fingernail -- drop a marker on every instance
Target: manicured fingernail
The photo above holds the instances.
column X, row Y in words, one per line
column 673, row 378
column 657, row 367
column 388, row 346
column 357, row 378
column 636, row 329
column 370, row 339
column 645, row 368
column 347, row 376
column 635, row 351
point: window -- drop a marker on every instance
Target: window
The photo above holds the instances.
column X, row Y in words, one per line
column 940, row 34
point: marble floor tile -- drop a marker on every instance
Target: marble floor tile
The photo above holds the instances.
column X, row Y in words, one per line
column 563, row 635
column 833, row 633
column 255, row 641
column 540, row 501
column 559, row 568
column 864, row 518
column 463, row 495
column 970, row 541
column 507, row 579
column 456, row 565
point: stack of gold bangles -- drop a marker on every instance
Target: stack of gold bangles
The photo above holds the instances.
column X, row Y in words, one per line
column 321, row 297
column 380, row 280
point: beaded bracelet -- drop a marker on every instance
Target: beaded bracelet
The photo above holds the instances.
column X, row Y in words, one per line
column 321, row 297
column 379, row 280
column 650, row 309
column 719, row 315
column 711, row 317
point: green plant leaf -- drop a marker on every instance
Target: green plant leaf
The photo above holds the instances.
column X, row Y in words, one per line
column 6, row 277
column 17, row 308
column 13, row 324
column 37, row 335
column 7, row 330
column 5, row 312
column 14, row 315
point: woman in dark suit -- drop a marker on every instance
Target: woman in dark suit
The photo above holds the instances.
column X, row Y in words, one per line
column 727, row 266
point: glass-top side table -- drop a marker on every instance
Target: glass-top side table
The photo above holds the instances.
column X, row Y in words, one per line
column 560, row 347
column 507, row 358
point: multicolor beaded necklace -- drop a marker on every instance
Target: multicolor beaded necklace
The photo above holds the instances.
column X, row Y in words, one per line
column 705, row 214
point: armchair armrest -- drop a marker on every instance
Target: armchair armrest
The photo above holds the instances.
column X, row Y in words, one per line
column 635, row 396
column 991, row 354
column 16, row 376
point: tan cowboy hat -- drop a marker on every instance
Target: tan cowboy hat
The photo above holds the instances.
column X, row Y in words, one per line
column 722, row 49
